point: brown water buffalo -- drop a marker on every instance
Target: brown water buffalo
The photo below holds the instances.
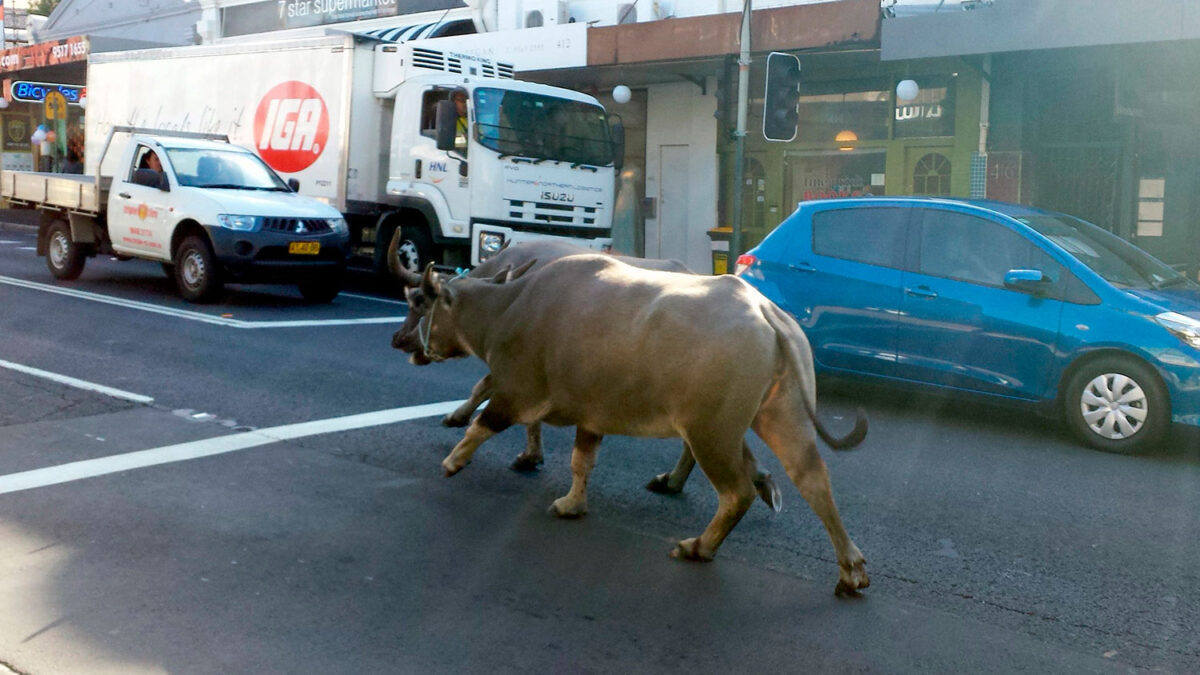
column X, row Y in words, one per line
column 612, row 349
column 539, row 253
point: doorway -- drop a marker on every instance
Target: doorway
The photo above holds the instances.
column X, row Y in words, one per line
column 669, row 238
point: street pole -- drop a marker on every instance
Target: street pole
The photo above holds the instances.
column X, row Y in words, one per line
column 739, row 148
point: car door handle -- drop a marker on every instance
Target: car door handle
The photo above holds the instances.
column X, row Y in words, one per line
column 124, row 195
column 802, row 267
column 921, row 292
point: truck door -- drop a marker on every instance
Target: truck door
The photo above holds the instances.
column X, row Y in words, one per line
column 138, row 222
column 437, row 169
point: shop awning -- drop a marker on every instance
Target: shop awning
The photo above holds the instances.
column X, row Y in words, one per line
column 419, row 31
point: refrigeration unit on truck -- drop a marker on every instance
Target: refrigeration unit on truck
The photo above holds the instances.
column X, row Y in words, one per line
column 208, row 210
column 369, row 128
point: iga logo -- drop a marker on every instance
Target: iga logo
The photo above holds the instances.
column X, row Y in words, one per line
column 291, row 126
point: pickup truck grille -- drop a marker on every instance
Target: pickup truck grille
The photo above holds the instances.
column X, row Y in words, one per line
column 296, row 225
column 549, row 212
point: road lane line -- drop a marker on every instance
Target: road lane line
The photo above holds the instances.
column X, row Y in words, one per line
column 191, row 315
column 101, row 466
column 77, row 383
column 373, row 298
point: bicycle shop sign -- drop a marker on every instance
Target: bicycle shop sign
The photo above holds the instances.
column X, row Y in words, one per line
column 35, row 92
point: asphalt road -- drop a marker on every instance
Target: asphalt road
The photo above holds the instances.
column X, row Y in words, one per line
column 994, row 542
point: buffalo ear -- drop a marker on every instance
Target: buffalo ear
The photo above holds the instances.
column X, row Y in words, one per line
column 520, row 271
column 501, row 276
column 429, row 283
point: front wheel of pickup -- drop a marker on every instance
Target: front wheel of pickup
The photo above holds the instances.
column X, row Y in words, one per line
column 64, row 257
column 196, row 271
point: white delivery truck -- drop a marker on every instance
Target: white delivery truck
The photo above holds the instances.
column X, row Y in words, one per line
column 208, row 210
column 369, row 128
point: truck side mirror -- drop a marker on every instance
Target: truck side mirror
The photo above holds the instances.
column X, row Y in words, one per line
column 617, row 132
column 294, row 184
column 447, row 123
column 164, row 183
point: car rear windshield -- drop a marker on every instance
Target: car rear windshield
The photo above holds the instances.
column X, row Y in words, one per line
column 1116, row 260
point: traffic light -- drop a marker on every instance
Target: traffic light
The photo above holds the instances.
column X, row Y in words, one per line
column 781, row 97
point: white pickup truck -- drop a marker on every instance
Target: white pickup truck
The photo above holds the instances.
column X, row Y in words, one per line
column 214, row 213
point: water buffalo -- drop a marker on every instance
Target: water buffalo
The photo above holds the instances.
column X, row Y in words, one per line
column 612, row 349
column 539, row 253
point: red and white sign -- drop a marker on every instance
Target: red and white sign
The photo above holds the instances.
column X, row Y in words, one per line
column 291, row 126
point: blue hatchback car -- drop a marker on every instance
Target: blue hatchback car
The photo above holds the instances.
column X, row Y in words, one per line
column 993, row 298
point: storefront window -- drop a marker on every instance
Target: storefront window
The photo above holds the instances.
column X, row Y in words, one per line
column 930, row 114
column 931, row 175
column 822, row 116
column 832, row 175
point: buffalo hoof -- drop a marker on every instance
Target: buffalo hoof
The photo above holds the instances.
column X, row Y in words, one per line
column 452, row 420
column 562, row 508
column 662, row 485
column 769, row 492
column 689, row 549
column 523, row 464
column 851, row 581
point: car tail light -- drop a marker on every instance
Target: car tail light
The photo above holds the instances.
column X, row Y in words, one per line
column 744, row 262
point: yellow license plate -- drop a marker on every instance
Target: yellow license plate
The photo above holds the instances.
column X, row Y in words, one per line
column 304, row 247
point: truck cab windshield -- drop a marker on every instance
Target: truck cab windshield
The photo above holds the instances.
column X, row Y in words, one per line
column 542, row 127
column 206, row 168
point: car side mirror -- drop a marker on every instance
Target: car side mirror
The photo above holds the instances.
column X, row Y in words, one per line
column 164, row 183
column 446, row 121
column 294, row 184
column 1027, row 281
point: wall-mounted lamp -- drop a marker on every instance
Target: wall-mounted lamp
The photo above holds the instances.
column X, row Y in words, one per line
column 907, row 90
column 846, row 139
column 621, row 94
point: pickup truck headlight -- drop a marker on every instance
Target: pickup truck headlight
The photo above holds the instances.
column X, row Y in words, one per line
column 239, row 223
column 1183, row 327
column 338, row 225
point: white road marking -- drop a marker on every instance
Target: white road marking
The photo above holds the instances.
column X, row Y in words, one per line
column 90, row 468
column 9, row 241
column 190, row 315
column 373, row 298
column 79, row 384
column 26, row 248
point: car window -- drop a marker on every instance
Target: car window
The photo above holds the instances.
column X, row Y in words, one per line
column 968, row 248
column 141, row 160
column 869, row 235
column 429, row 110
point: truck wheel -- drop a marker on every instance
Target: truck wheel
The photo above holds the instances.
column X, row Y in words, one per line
column 321, row 288
column 414, row 249
column 64, row 257
column 196, row 272
column 1117, row 405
